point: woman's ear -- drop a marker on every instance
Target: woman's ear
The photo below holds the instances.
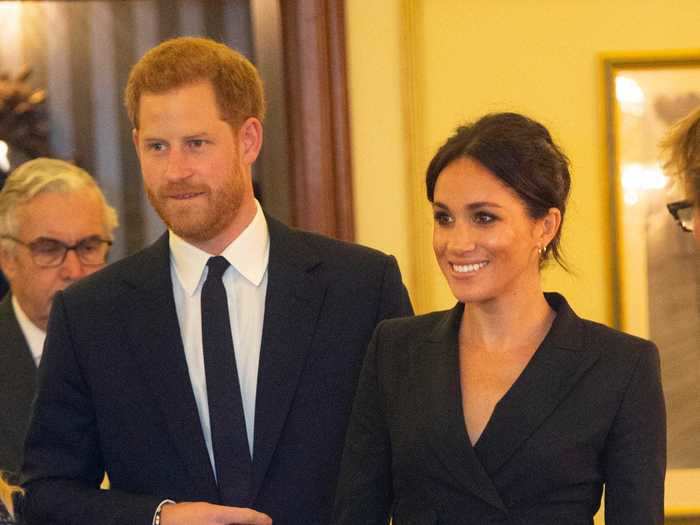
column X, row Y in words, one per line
column 549, row 225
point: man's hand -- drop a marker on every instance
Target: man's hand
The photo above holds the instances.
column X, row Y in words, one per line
column 208, row 514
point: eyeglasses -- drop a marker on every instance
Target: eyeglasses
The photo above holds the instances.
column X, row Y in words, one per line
column 50, row 253
column 682, row 211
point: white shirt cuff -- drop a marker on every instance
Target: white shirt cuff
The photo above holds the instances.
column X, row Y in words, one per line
column 156, row 514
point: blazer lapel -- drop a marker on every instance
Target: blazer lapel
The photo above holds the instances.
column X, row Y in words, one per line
column 439, row 369
column 292, row 306
column 17, row 376
column 548, row 378
column 153, row 329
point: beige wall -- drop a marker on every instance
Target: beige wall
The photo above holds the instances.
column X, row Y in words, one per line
column 418, row 68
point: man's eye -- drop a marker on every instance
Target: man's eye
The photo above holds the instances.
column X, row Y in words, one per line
column 442, row 218
column 196, row 143
column 156, row 146
column 89, row 246
column 47, row 247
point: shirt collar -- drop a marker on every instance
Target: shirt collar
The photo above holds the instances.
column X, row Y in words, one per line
column 34, row 335
column 248, row 254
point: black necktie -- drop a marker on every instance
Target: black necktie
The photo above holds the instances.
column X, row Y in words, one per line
column 228, row 431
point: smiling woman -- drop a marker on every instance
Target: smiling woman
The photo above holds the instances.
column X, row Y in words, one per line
column 509, row 406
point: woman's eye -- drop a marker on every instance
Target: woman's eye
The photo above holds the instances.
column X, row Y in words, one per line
column 442, row 218
column 484, row 218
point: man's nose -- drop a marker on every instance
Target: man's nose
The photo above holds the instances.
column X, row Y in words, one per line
column 177, row 165
column 72, row 268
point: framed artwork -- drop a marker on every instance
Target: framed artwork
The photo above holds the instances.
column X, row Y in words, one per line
column 656, row 266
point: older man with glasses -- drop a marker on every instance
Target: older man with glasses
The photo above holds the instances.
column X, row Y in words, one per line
column 55, row 228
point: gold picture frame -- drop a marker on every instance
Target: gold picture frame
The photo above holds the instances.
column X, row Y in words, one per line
column 654, row 265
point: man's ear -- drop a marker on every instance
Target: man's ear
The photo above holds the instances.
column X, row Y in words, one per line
column 135, row 140
column 250, row 139
column 8, row 265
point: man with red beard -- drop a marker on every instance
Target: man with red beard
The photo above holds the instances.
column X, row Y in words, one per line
column 212, row 374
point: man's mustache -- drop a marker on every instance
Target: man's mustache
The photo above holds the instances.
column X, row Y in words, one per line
column 173, row 189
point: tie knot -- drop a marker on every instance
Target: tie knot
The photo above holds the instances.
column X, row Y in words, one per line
column 217, row 266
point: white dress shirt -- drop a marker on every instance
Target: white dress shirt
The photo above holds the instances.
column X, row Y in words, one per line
column 246, row 286
column 34, row 335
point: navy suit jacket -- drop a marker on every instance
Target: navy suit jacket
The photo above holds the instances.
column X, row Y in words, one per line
column 587, row 410
column 115, row 395
column 17, row 384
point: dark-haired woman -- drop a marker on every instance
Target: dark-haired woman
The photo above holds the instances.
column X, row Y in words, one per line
column 509, row 408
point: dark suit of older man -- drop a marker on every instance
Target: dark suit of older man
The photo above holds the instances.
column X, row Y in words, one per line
column 4, row 288
column 17, row 383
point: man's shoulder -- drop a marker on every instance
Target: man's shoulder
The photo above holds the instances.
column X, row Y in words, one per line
column 9, row 326
column 141, row 268
column 6, row 311
column 338, row 248
column 326, row 249
column 10, row 330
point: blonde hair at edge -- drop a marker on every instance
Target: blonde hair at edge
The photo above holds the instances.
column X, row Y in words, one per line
column 7, row 491
column 682, row 149
column 44, row 175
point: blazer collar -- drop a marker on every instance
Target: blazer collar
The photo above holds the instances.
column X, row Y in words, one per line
column 14, row 344
column 558, row 364
column 149, row 314
column 555, row 368
column 18, row 372
column 294, row 299
column 438, row 367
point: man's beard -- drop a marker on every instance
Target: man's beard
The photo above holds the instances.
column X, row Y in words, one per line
column 202, row 221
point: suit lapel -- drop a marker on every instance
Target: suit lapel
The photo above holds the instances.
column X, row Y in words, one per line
column 548, row 378
column 293, row 302
column 18, row 373
column 439, row 369
column 153, row 329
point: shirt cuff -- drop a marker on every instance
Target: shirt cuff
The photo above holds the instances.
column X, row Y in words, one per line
column 156, row 514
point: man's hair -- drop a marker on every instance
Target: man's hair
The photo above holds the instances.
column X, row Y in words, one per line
column 682, row 149
column 44, row 175
column 187, row 60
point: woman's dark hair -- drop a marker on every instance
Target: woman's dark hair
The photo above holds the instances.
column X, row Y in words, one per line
column 522, row 154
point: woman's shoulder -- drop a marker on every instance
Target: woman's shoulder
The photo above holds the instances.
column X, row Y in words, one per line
column 621, row 351
column 587, row 335
column 604, row 334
